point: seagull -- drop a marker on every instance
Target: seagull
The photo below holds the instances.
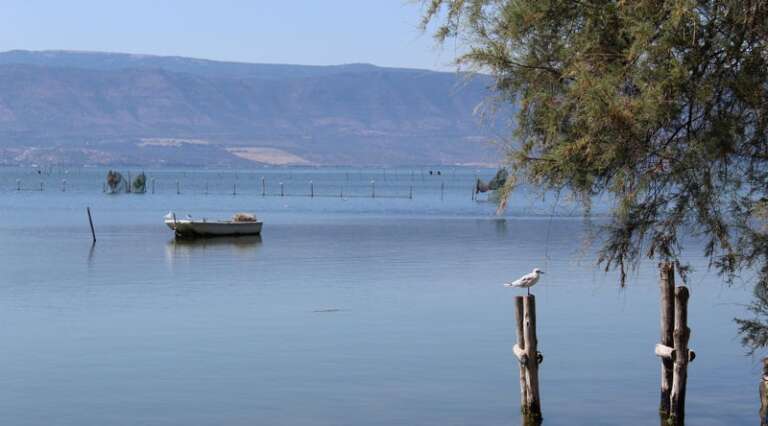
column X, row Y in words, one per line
column 526, row 281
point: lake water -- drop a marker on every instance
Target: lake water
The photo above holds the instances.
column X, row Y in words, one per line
column 349, row 310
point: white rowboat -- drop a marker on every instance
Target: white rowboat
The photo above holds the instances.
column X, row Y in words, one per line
column 189, row 228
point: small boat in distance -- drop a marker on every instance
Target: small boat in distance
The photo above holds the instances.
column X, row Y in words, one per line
column 240, row 224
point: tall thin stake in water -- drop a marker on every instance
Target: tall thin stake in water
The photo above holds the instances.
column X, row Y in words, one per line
column 90, row 221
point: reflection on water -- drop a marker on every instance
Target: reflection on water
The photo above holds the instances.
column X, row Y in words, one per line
column 241, row 241
column 237, row 246
column 501, row 225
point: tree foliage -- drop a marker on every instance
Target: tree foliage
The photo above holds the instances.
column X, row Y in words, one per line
column 662, row 104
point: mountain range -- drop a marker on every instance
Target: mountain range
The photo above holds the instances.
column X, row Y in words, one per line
column 91, row 108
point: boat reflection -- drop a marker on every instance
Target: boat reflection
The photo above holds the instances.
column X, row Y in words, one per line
column 232, row 245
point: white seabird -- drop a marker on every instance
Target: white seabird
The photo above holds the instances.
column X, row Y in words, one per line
column 526, row 281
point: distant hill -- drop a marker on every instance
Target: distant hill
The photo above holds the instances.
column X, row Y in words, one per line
column 112, row 108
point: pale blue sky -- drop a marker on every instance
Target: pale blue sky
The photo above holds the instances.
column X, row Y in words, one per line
column 382, row 32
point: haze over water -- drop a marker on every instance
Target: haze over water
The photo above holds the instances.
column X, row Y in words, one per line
column 349, row 310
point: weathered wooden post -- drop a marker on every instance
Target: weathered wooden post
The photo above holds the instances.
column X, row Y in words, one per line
column 234, row 189
column 311, row 189
column 410, row 193
column 282, row 190
column 676, row 356
column 681, row 357
column 90, row 221
column 63, row 185
column 442, row 191
column 263, row 187
column 533, row 403
column 764, row 394
column 519, row 350
column 206, row 187
column 18, row 184
column 373, row 189
column 526, row 352
column 178, row 188
column 667, row 303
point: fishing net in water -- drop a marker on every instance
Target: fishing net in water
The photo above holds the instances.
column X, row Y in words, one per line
column 114, row 181
column 140, row 183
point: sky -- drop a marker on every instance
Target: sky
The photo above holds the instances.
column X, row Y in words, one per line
column 317, row 32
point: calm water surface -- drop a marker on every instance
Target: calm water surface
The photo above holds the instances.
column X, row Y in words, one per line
column 349, row 310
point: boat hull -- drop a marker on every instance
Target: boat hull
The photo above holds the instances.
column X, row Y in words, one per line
column 192, row 229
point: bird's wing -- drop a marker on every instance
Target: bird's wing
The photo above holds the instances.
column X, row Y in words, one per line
column 520, row 282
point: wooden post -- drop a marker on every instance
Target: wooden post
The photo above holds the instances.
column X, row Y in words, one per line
column 373, row 189
column 18, row 184
column 533, row 404
column 311, row 189
column 681, row 357
column 519, row 350
column 63, row 185
column 234, row 189
column 764, row 394
column 263, row 187
column 442, row 190
column 282, row 190
column 674, row 352
column 42, row 187
column 206, row 187
column 410, row 193
column 153, row 185
column 667, row 304
column 90, row 221
column 178, row 188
